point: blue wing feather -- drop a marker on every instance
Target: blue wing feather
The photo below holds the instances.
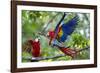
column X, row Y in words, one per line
column 68, row 28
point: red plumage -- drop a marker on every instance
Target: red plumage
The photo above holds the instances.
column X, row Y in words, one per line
column 51, row 35
column 69, row 51
column 35, row 48
column 65, row 50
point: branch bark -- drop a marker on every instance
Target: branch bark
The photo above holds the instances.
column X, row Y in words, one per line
column 41, row 58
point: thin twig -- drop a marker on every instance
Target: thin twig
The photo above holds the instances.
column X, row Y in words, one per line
column 86, row 48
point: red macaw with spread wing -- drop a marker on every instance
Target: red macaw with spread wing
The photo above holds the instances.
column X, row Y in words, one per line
column 60, row 33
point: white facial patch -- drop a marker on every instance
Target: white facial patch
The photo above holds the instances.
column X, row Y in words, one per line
column 36, row 40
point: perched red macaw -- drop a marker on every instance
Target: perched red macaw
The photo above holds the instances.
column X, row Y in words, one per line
column 35, row 47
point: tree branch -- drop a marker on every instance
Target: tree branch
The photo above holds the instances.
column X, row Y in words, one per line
column 46, row 58
column 86, row 48
column 41, row 58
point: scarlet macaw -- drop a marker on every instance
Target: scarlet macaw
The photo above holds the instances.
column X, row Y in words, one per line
column 60, row 34
column 35, row 47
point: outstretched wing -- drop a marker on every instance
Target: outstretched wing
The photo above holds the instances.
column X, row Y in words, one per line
column 66, row 29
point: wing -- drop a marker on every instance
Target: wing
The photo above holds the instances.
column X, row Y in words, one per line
column 57, row 28
column 67, row 29
column 59, row 23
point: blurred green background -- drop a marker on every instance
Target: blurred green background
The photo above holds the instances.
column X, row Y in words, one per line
column 34, row 22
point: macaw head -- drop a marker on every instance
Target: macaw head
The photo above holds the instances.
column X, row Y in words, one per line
column 51, row 34
column 37, row 39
